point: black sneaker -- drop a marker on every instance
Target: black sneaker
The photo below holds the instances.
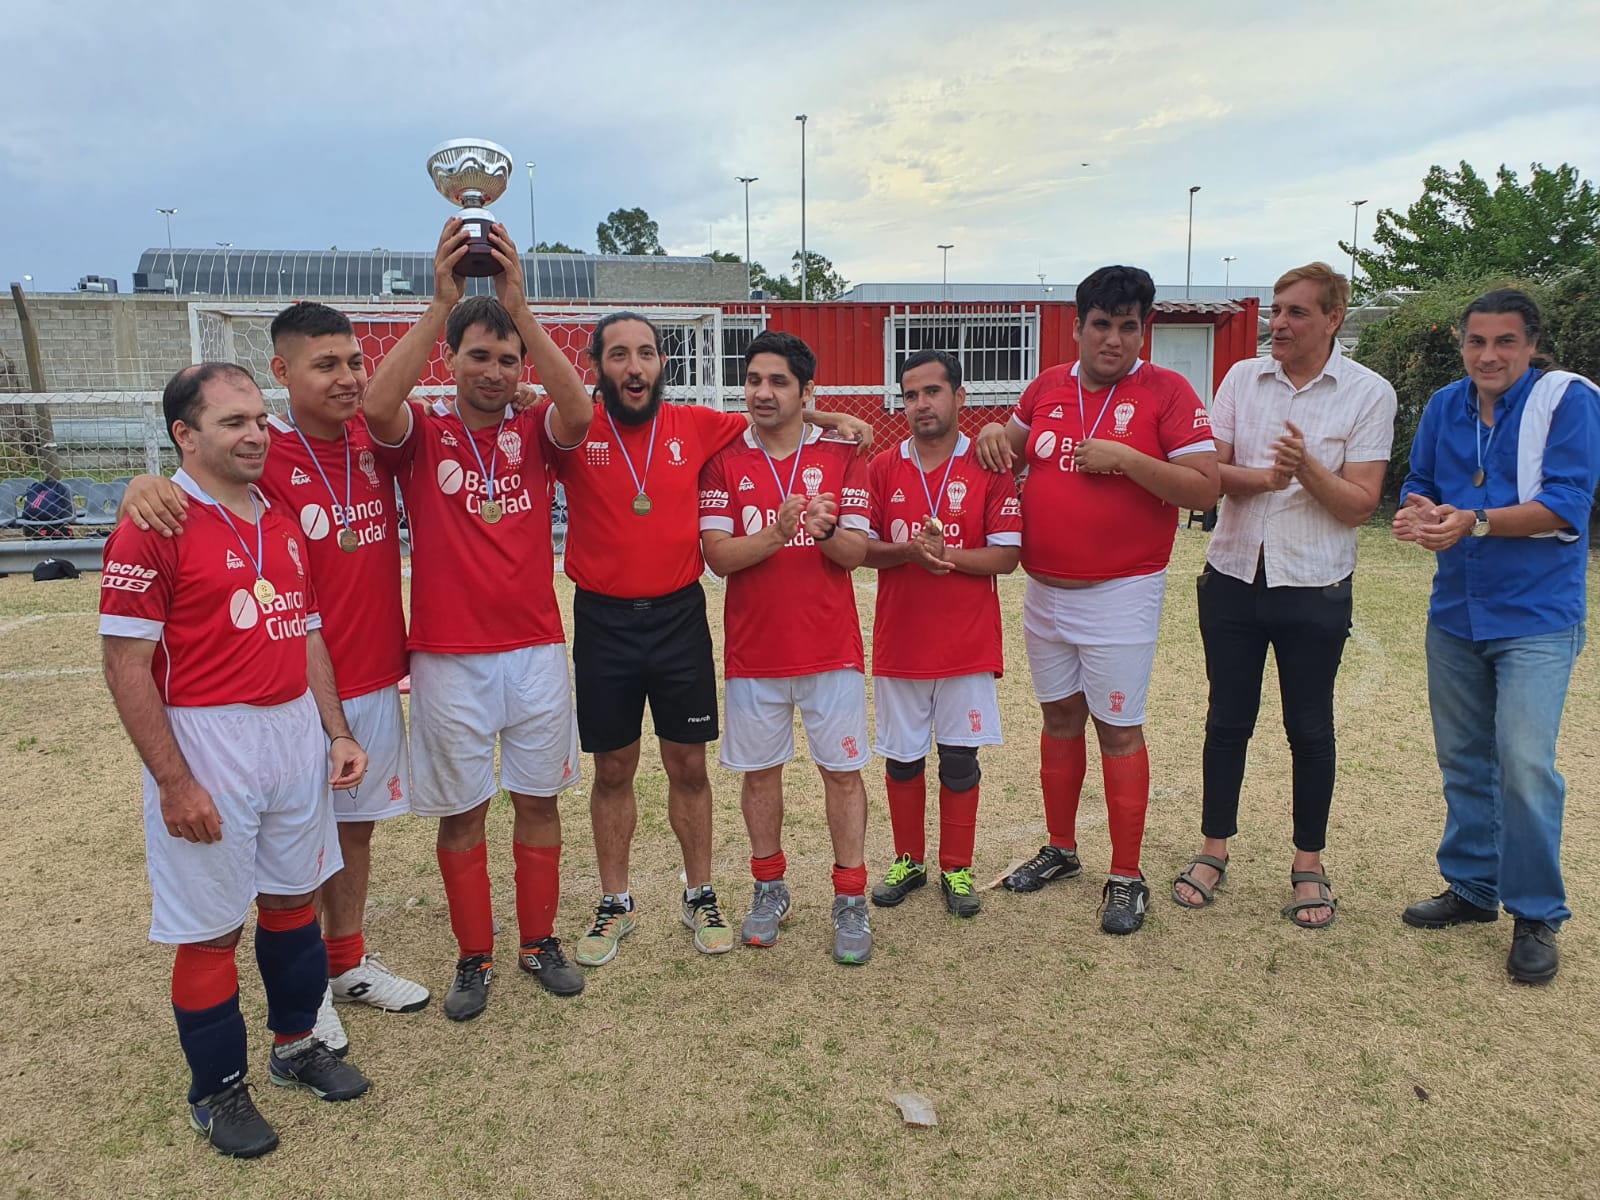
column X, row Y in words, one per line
column 960, row 900
column 546, row 963
column 312, row 1065
column 904, row 877
column 1534, row 957
column 1047, row 866
column 1446, row 909
column 230, row 1122
column 1122, row 903
column 469, row 995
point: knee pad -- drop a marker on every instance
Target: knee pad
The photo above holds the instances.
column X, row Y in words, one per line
column 905, row 772
column 958, row 767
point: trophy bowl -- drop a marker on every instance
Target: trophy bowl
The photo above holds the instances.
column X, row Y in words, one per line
column 472, row 173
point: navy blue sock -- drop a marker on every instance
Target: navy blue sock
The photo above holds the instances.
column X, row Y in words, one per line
column 294, row 970
column 214, row 1044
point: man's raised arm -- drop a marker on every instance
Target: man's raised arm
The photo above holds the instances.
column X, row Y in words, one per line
column 385, row 400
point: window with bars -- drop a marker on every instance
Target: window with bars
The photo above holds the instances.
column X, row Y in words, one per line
column 998, row 351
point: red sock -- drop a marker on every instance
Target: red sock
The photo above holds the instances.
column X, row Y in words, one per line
column 849, row 881
column 285, row 920
column 466, row 891
column 204, row 976
column 1062, row 763
column 958, row 827
column 1127, row 799
column 345, row 952
column 538, row 890
column 908, row 815
column 769, row 869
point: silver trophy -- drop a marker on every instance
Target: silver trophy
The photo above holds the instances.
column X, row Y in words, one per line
column 472, row 172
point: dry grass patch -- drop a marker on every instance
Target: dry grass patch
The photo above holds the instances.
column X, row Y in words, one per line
column 1220, row 1053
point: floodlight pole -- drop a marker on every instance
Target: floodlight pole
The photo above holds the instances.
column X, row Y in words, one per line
column 1188, row 260
column 804, row 261
column 747, row 180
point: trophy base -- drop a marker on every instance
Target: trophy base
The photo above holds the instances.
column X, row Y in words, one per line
column 479, row 261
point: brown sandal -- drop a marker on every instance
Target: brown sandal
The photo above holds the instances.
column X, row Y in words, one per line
column 1325, row 900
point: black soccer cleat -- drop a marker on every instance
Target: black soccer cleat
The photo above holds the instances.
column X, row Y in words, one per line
column 469, row 994
column 230, row 1122
column 314, row 1066
column 545, row 961
column 1047, row 866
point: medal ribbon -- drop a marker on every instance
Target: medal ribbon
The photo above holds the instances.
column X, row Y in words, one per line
column 650, row 453
column 794, row 471
column 342, row 513
column 1089, row 433
column 1477, row 437
column 922, row 476
column 260, row 559
column 494, row 455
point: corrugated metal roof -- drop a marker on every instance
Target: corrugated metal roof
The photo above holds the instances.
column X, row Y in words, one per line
column 1198, row 306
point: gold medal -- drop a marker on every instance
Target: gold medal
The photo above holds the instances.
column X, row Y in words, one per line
column 642, row 505
column 934, row 524
column 348, row 541
column 490, row 511
column 264, row 591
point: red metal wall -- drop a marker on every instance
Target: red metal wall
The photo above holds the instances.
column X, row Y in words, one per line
column 849, row 342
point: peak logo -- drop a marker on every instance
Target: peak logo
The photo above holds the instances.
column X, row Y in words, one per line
column 899, row 497
column 234, row 562
column 299, row 477
column 745, row 485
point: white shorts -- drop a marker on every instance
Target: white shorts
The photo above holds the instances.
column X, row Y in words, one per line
column 1098, row 640
column 758, row 721
column 461, row 702
column 379, row 724
column 267, row 771
column 913, row 714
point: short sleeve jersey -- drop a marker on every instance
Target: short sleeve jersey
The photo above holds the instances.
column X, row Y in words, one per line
column 479, row 587
column 930, row 626
column 615, row 551
column 216, row 643
column 794, row 613
column 1079, row 525
column 326, row 486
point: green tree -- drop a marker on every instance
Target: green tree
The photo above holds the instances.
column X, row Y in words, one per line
column 557, row 248
column 725, row 256
column 628, row 231
column 1462, row 230
column 823, row 282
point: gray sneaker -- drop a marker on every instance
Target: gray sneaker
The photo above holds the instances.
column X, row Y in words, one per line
column 852, row 930
column 768, row 909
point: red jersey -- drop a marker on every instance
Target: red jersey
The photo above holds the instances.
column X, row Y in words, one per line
column 610, row 548
column 365, row 624
column 477, row 587
column 940, row 626
column 1084, row 526
column 795, row 613
column 192, row 595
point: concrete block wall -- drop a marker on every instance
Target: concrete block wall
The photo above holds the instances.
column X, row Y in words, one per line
column 96, row 342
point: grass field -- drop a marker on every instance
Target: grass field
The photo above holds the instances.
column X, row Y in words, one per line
column 1215, row 1054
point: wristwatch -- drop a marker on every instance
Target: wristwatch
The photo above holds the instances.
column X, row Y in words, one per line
column 1480, row 523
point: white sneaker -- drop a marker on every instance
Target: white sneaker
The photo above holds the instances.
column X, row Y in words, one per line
column 371, row 982
column 329, row 1030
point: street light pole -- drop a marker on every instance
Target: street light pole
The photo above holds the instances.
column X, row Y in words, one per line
column 1188, row 260
column 804, row 261
column 1227, row 272
column 168, row 213
column 1355, row 227
column 226, row 247
column 944, row 269
column 533, row 234
column 747, row 180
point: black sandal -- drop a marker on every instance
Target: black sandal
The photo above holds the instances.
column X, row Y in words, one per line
column 1325, row 900
column 1219, row 865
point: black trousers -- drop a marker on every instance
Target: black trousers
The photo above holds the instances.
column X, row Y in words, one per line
column 1306, row 628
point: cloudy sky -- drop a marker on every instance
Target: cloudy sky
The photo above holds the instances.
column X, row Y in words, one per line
column 1036, row 137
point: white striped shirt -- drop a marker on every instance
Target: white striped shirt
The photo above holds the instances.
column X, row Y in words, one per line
column 1347, row 415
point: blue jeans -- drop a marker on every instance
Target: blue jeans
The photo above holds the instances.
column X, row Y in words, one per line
column 1496, row 711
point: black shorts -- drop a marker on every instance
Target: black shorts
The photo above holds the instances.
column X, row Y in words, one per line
column 625, row 652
